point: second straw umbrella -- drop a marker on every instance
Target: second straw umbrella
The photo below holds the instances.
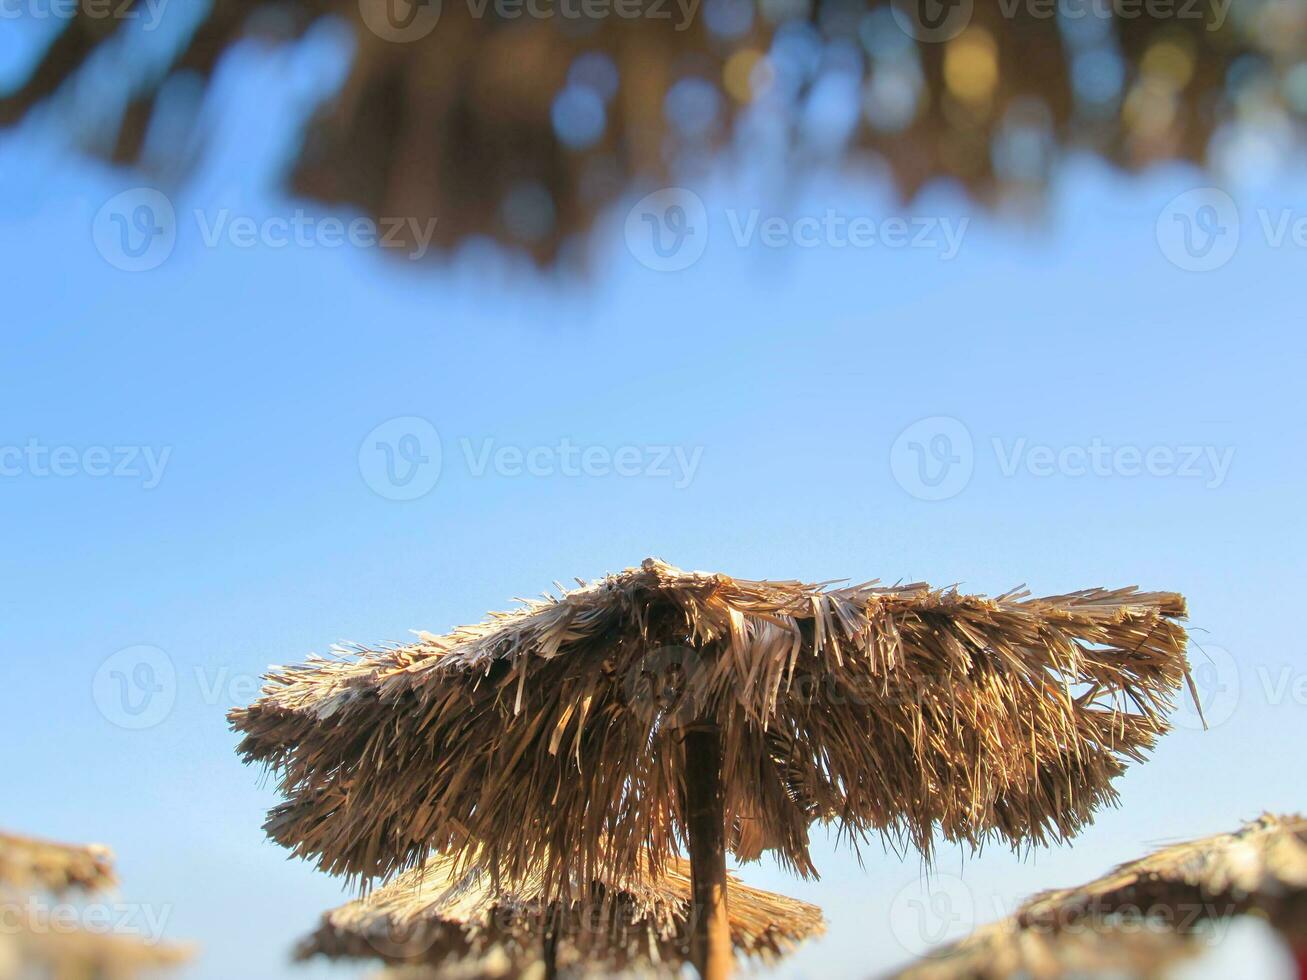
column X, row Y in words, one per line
column 448, row 916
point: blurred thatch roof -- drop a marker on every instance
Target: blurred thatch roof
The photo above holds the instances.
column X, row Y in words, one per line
column 472, row 971
column 521, row 122
column 76, row 954
column 556, row 729
column 442, row 912
column 36, row 942
column 495, row 969
column 29, row 865
column 1004, row 950
column 1261, row 868
column 1143, row 915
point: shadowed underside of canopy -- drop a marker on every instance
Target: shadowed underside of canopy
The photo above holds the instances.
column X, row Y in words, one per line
column 560, row 729
column 522, row 126
column 28, row 864
column 441, row 914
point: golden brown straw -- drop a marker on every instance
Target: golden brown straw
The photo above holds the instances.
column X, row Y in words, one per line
column 443, row 914
column 553, row 736
column 28, row 864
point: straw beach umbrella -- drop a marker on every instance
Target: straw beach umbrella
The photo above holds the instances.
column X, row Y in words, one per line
column 442, row 914
column 1006, row 949
column 1145, row 914
column 85, row 955
column 36, row 943
column 586, row 736
column 472, row 972
column 1260, row 869
column 28, row 864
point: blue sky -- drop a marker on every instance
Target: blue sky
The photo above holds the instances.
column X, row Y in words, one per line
column 788, row 375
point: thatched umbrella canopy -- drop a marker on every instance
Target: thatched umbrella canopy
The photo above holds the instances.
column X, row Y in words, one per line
column 444, row 913
column 1006, row 949
column 49, row 947
column 472, row 972
column 27, row 952
column 28, row 864
column 583, row 737
column 522, row 122
column 1144, row 914
column 496, row 972
column 1260, row 868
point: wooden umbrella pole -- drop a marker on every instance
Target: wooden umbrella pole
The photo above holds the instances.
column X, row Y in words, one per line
column 706, row 817
column 551, row 952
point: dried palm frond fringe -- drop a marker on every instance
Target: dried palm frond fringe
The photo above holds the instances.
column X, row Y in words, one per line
column 28, row 864
column 1004, row 950
column 441, row 912
column 552, row 737
column 457, row 124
